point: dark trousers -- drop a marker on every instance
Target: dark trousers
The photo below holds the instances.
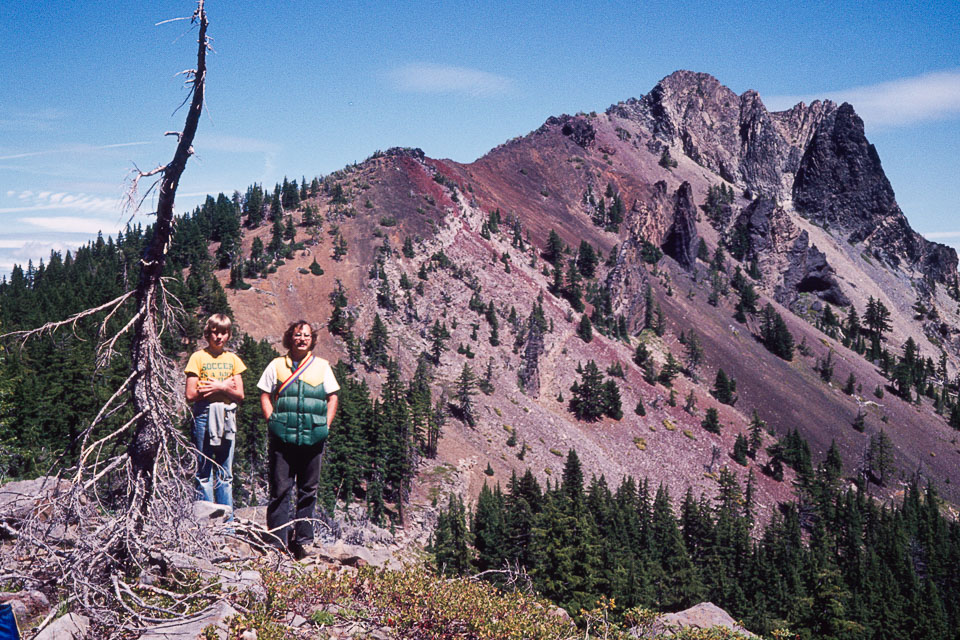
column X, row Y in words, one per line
column 291, row 465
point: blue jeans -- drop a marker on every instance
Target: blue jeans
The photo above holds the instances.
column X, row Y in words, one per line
column 214, row 463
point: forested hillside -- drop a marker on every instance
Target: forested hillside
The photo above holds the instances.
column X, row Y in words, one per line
column 680, row 289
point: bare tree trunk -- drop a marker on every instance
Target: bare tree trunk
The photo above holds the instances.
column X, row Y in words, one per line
column 149, row 389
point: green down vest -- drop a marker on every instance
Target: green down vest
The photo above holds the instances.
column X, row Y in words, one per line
column 300, row 414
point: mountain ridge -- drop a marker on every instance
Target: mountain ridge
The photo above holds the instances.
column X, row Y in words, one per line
column 544, row 182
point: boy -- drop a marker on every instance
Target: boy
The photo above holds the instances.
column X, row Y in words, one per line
column 214, row 387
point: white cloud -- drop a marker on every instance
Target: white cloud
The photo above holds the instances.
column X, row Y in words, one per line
column 47, row 201
column 437, row 78
column 930, row 96
column 75, row 224
column 31, row 120
column 941, row 235
column 75, row 148
column 20, row 251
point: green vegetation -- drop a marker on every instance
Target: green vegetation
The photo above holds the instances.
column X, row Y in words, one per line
column 586, row 545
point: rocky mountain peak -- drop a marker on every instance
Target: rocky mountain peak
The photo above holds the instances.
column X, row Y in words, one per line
column 840, row 183
column 816, row 155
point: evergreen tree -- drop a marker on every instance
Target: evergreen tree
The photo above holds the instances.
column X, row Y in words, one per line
column 585, row 328
column 756, row 428
column 694, row 352
column 466, row 389
column 611, row 400
column 740, row 449
column 724, row 388
column 375, row 346
column 450, row 549
column 775, row 335
column 587, row 260
column 711, row 421
column 671, row 368
column 588, row 399
column 488, row 529
column 553, row 252
column 851, row 385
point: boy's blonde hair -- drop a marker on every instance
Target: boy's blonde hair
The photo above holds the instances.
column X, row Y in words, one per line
column 217, row 322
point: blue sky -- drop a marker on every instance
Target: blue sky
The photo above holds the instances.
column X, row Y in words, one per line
column 301, row 88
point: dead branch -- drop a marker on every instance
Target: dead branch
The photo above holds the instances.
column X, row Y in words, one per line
column 128, row 502
column 50, row 327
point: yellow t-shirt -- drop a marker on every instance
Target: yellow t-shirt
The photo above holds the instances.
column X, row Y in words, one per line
column 206, row 366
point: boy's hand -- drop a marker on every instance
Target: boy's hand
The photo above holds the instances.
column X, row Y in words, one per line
column 209, row 387
column 232, row 388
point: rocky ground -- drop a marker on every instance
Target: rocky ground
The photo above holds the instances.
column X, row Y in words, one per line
column 252, row 592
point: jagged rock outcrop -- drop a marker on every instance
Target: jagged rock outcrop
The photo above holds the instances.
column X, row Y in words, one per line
column 651, row 216
column 733, row 136
column 809, row 272
column 764, row 153
column 627, row 282
column 529, row 374
column 816, row 154
column 577, row 128
column 681, row 241
column 785, row 254
column 841, row 183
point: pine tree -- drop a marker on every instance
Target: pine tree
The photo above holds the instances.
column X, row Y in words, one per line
column 553, row 252
column 880, row 457
column 756, row 428
column 740, row 449
column 711, row 421
column 690, row 404
column 587, row 260
column 450, row 546
column 851, row 385
column 694, row 352
column 588, row 396
column 585, row 328
column 671, row 368
column 573, row 291
column 611, row 400
column 486, row 384
column 466, row 389
column 724, row 388
column 488, row 529
column 375, row 346
column 438, row 337
column 825, row 367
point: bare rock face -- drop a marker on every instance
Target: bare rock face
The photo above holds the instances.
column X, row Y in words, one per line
column 841, row 183
column 650, row 217
column 627, row 281
column 798, row 125
column 24, row 498
column 529, row 374
column 215, row 617
column 71, row 626
column 818, row 154
column 577, row 128
column 681, row 241
column 705, row 615
column 764, row 153
column 733, row 136
column 809, row 272
column 786, row 256
column 699, row 112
